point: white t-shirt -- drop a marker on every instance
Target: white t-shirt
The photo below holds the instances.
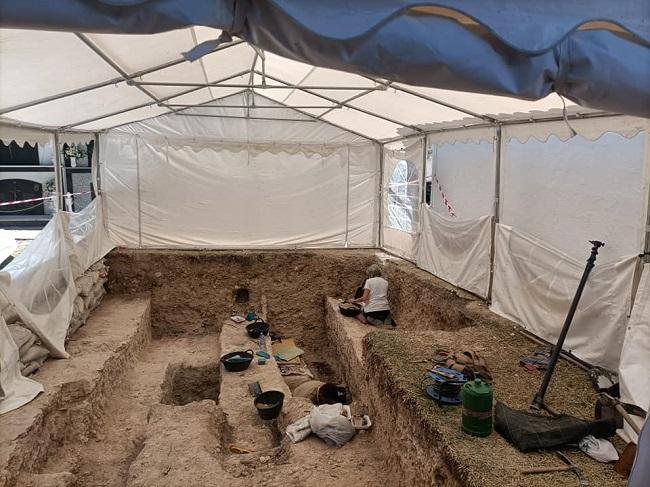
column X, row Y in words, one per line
column 378, row 299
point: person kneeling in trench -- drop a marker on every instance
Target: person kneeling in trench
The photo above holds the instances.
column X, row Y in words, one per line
column 376, row 310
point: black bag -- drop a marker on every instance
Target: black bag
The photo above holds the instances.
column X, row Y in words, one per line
column 531, row 431
column 360, row 289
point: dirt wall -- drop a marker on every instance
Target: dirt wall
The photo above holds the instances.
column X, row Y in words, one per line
column 193, row 291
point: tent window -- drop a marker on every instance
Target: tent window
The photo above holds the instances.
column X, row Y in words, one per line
column 404, row 197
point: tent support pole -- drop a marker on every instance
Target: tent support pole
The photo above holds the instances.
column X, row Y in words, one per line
column 498, row 141
column 58, row 182
column 137, row 176
column 646, row 233
column 381, row 197
column 347, row 201
column 423, row 189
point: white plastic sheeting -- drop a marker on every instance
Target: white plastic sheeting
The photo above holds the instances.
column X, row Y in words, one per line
column 219, row 182
column 635, row 358
column 89, row 235
column 402, row 180
column 7, row 244
column 40, row 284
column 534, row 284
column 15, row 390
column 457, row 251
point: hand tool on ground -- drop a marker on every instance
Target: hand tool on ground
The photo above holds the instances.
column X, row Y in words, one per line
column 538, row 400
column 614, row 403
column 569, row 467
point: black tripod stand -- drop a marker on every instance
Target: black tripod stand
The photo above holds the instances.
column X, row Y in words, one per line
column 538, row 400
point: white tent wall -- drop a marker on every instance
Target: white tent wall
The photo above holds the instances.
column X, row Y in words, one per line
column 455, row 238
column 570, row 192
column 555, row 193
column 211, row 178
column 635, row 380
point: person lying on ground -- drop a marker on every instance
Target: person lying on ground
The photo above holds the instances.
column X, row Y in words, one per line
column 376, row 310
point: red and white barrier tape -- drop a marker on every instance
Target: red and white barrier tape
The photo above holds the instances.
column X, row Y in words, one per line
column 32, row 200
column 444, row 197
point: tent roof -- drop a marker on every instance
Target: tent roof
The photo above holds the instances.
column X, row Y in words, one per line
column 92, row 82
column 266, row 122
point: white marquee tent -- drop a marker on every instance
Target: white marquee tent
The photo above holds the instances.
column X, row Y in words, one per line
column 246, row 149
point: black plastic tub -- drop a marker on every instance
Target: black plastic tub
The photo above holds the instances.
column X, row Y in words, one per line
column 234, row 364
column 349, row 309
column 257, row 328
column 269, row 404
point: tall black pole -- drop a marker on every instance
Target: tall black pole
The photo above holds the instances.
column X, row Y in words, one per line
column 538, row 400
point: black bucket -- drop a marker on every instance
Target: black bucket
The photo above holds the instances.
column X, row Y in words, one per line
column 237, row 361
column 330, row 393
column 349, row 309
column 269, row 404
column 257, row 328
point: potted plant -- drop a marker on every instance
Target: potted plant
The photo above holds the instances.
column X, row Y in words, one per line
column 73, row 153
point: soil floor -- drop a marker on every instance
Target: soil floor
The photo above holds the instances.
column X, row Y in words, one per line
column 115, row 457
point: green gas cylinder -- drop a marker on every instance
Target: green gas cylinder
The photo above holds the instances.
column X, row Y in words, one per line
column 477, row 408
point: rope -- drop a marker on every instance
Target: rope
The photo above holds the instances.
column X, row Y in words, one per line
column 444, row 197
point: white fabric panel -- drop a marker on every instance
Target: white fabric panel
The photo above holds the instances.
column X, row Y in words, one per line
column 331, row 77
column 40, row 284
column 406, row 108
column 119, row 175
column 213, row 129
column 126, row 117
column 534, row 284
column 138, row 52
column 457, row 251
column 363, row 211
column 374, row 127
column 83, row 106
column 15, row 390
column 405, row 184
column 571, row 192
column 465, row 172
column 499, row 106
column 635, row 357
column 35, row 64
column 181, row 73
column 89, row 235
column 25, row 134
column 241, row 199
column 287, row 70
column 591, row 128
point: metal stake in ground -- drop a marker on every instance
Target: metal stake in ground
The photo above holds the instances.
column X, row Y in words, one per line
column 538, row 400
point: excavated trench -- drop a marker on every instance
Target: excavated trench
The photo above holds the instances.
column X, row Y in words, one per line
column 167, row 422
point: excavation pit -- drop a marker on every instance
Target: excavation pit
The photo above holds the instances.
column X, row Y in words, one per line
column 164, row 412
column 184, row 384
